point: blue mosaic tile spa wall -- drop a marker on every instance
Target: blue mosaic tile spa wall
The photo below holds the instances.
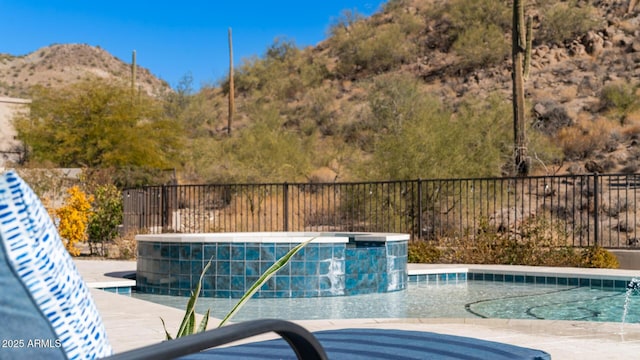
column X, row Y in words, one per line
column 319, row 269
column 375, row 267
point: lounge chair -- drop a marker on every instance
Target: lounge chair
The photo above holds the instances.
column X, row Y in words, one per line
column 47, row 311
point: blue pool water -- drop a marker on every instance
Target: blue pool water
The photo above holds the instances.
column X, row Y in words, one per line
column 467, row 299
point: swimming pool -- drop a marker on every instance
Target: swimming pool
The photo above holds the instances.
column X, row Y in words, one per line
column 456, row 299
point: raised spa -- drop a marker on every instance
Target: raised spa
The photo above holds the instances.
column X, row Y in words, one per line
column 333, row 264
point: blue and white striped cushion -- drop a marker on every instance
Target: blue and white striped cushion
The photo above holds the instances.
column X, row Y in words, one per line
column 36, row 254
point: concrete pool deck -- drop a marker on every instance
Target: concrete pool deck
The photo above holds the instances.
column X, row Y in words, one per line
column 132, row 323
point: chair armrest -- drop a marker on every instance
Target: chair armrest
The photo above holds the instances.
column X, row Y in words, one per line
column 303, row 343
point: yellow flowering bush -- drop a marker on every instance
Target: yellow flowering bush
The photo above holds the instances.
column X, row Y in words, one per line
column 73, row 219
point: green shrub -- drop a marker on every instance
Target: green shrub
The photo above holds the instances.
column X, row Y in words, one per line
column 105, row 217
column 394, row 100
column 598, row 257
column 562, row 256
column 463, row 14
column 619, row 95
column 564, row 21
column 416, row 136
column 318, row 114
column 261, row 152
column 619, row 99
column 480, row 249
column 481, row 46
column 246, row 76
column 281, row 74
column 424, row 252
column 475, row 20
column 410, row 141
column 363, row 48
column 538, row 242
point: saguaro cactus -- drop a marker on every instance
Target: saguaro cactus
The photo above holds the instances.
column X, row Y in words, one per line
column 520, row 48
column 527, row 52
column 231, row 87
column 133, row 74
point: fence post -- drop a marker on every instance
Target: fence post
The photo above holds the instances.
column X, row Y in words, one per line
column 163, row 207
column 419, row 208
column 596, row 222
column 285, row 206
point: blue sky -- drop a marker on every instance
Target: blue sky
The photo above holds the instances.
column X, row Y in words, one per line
column 171, row 39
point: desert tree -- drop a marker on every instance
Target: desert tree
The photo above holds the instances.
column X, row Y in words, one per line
column 95, row 123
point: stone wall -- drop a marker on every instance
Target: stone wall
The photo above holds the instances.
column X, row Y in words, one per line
column 8, row 143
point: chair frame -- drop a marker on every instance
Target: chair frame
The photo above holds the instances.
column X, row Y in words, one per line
column 303, row 343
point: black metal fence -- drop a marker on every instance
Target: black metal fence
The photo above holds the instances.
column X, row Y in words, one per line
column 581, row 210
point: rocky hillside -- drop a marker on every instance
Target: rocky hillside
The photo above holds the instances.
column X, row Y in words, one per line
column 566, row 84
column 581, row 93
column 59, row 65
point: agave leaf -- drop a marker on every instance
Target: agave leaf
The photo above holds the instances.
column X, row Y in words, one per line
column 189, row 312
column 263, row 279
column 191, row 325
column 166, row 333
column 187, row 325
column 204, row 322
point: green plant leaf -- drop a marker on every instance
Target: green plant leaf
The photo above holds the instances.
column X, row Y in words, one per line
column 204, row 322
column 263, row 279
column 166, row 333
column 188, row 322
column 187, row 326
column 182, row 330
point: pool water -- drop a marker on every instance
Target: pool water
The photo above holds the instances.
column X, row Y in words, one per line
column 469, row 299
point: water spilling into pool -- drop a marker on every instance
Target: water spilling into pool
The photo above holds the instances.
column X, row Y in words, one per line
column 332, row 264
column 632, row 288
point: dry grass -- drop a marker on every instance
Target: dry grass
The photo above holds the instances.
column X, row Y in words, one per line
column 124, row 247
column 568, row 93
column 311, row 210
column 632, row 131
column 583, row 140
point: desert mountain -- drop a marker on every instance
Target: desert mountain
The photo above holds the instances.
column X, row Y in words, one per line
column 458, row 49
column 62, row 64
